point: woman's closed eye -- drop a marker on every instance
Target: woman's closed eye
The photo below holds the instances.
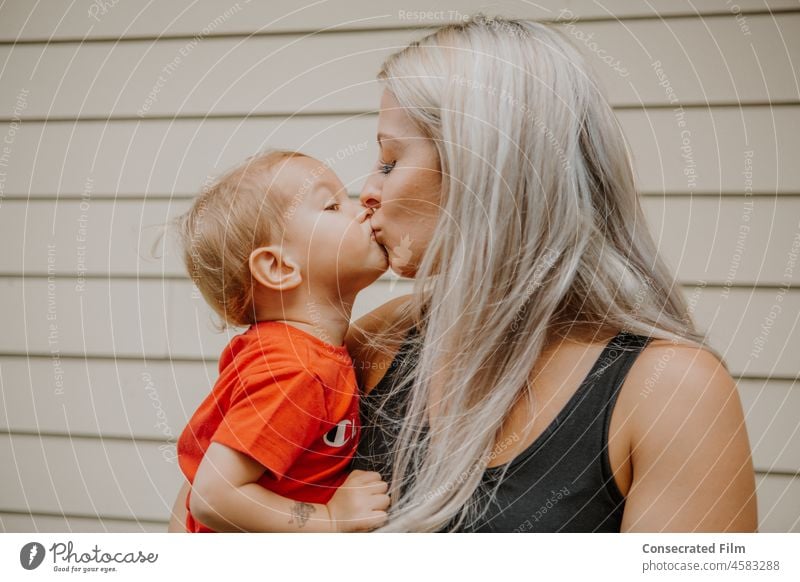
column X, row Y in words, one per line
column 385, row 168
column 334, row 206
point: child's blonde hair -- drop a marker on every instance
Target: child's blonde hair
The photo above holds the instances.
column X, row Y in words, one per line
column 242, row 210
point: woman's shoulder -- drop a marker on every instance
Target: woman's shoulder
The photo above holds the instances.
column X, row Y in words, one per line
column 677, row 361
column 674, row 382
column 688, row 442
column 667, row 369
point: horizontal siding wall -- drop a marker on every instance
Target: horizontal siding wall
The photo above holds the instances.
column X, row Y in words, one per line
column 61, row 20
column 704, row 59
column 114, row 117
column 168, row 158
column 168, row 319
column 753, row 236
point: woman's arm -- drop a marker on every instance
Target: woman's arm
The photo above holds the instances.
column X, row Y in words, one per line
column 177, row 521
column 692, row 466
column 226, row 498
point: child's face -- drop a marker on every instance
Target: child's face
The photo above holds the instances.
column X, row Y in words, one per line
column 327, row 232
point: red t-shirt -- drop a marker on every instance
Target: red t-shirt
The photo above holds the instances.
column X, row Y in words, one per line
column 286, row 399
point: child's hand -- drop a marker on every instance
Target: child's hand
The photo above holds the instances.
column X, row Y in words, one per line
column 360, row 503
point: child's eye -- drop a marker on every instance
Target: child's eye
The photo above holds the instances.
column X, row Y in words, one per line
column 386, row 168
column 333, row 206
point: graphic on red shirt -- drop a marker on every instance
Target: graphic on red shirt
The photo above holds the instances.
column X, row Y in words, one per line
column 286, row 399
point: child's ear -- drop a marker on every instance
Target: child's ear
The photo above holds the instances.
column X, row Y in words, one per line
column 274, row 269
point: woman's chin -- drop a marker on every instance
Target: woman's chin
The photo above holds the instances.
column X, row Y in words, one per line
column 401, row 268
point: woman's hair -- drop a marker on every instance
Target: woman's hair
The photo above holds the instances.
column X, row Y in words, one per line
column 242, row 210
column 540, row 236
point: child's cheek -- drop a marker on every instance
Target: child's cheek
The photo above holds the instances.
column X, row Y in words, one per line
column 356, row 238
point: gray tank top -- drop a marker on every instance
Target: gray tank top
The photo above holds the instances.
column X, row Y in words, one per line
column 562, row 482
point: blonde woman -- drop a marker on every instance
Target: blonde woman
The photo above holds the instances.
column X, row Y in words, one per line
column 545, row 374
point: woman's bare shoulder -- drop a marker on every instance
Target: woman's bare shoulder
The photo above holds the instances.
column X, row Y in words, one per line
column 666, row 369
column 688, row 443
column 677, row 359
column 670, row 381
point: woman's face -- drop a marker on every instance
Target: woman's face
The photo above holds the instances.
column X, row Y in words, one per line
column 404, row 190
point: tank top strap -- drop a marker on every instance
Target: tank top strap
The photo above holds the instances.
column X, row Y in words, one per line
column 619, row 356
column 609, row 373
column 616, row 360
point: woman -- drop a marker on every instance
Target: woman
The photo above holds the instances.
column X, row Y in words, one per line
column 545, row 373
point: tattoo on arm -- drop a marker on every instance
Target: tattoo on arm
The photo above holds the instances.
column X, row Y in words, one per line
column 300, row 512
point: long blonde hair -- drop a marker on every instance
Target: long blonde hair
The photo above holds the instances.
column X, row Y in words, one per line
column 540, row 235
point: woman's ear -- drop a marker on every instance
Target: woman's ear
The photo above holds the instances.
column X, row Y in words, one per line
column 273, row 269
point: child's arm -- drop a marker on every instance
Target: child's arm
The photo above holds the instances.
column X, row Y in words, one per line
column 177, row 520
column 226, row 497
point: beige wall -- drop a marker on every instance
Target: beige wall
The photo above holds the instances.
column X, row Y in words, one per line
column 111, row 126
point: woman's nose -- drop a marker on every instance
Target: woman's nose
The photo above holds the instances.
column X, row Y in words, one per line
column 370, row 196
